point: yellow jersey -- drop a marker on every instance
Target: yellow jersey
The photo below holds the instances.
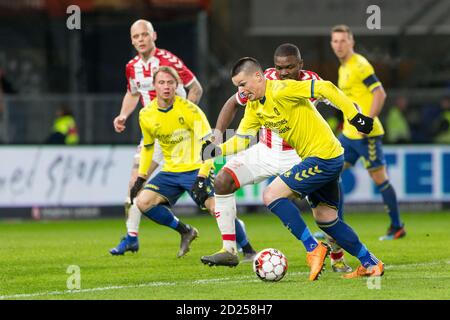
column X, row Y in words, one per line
column 358, row 80
column 286, row 109
column 180, row 130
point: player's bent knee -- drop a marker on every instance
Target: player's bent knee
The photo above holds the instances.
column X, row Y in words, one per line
column 277, row 189
column 269, row 196
column 147, row 199
column 323, row 214
column 224, row 183
column 379, row 175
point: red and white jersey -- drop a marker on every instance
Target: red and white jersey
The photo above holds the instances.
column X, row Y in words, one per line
column 139, row 74
column 267, row 136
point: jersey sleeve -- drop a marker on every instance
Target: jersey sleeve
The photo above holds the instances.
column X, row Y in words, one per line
column 186, row 75
column 249, row 125
column 148, row 148
column 197, row 121
column 294, row 90
column 147, row 135
column 327, row 90
column 131, row 84
column 368, row 76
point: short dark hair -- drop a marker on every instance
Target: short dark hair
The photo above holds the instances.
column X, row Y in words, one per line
column 287, row 49
column 246, row 64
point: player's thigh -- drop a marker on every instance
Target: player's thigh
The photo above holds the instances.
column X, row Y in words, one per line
column 148, row 199
column 324, row 213
column 288, row 160
column 351, row 154
column 312, row 174
column 250, row 166
column 167, row 185
column 371, row 151
column 277, row 189
column 325, row 200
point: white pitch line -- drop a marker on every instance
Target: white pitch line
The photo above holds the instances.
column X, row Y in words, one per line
column 421, row 264
column 200, row 281
column 143, row 285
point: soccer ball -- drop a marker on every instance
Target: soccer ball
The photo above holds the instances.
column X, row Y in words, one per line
column 270, row 265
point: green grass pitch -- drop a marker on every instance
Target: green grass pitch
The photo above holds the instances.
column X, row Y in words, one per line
column 35, row 256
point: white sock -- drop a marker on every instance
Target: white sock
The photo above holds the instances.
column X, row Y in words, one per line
column 225, row 212
column 133, row 221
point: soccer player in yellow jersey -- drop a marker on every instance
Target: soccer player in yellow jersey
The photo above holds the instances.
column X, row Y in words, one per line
column 270, row 157
column 359, row 82
column 284, row 106
column 179, row 126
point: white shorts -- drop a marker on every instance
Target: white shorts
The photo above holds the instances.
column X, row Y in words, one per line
column 258, row 163
column 157, row 153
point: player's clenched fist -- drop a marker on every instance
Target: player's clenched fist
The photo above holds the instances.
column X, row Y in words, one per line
column 210, row 150
column 119, row 123
column 363, row 123
column 199, row 191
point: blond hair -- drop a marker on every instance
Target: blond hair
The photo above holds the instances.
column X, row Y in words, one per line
column 342, row 28
column 168, row 70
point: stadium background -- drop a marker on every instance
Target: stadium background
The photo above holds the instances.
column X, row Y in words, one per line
column 44, row 65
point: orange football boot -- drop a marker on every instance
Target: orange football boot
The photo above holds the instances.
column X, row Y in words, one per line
column 316, row 260
column 372, row 271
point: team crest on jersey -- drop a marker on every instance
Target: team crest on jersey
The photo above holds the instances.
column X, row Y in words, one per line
column 276, row 111
column 181, row 120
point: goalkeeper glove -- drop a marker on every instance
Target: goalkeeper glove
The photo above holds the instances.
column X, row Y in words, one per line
column 363, row 123
column 138, row 184
column 210, row 150
column 199, row 191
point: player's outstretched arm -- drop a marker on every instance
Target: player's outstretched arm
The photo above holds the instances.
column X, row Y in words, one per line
column 248, row 128
column 233, row 145
column 225, row 118
column 129, row 103
column 328, row 90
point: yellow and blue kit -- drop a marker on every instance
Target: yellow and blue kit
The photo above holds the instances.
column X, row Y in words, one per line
column 180, row 130
column 285, row 109
column 358, row 80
